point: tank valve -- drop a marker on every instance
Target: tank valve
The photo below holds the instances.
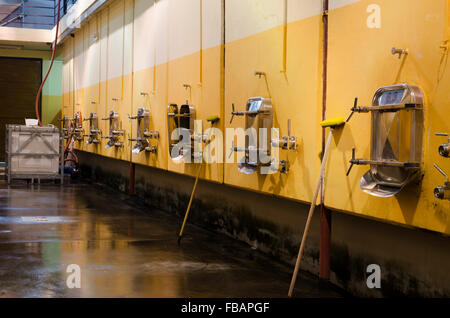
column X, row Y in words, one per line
column 444, row 149
column 442, row 192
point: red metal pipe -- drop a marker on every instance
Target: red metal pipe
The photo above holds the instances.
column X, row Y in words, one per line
column 74, row 155
column 132, row 175
column 70, row 159
column 325, row 214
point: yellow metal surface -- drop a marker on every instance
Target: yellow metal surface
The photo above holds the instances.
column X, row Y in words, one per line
column 360, row 61
column 361, row 35
column 295, row 95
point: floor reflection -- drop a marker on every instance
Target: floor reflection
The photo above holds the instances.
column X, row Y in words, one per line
column 123, row 252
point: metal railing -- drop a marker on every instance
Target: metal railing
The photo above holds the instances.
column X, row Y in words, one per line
column 35, row 14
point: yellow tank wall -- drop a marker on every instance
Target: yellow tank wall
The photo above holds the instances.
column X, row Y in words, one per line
column 360, row 61
column 133, row 47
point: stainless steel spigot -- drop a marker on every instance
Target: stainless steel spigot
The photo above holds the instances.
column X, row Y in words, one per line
column 138, row 147
column 442, row 192
column 154, row 134
column 151, row 149
column 110, row 143
column 290, row 142
column 284, row 166
column 444, row 149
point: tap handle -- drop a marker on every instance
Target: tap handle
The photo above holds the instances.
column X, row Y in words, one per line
column 355, row 105
column 352, row 162
column 232, row 113
column 442, row 172
column 231, row 150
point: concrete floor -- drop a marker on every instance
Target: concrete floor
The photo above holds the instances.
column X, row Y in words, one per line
column 124, row 250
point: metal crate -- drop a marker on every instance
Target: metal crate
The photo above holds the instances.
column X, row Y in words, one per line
column 34, row 153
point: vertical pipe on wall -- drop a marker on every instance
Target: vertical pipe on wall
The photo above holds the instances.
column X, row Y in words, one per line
column 154, row 46
column 132, row 175
column 445, row 45
column 201, row 42
column 285, row 21
column 167, row 19
column 222, row 86
column 325, row 214
column 132, row 63
column 123, row 47
column 84, row 29
column 99, row 44
column 107, row 63
column 132, row 165
column 447, row 19
column 73, row 75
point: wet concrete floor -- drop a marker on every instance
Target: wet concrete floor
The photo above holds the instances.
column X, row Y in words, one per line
column 124, row 250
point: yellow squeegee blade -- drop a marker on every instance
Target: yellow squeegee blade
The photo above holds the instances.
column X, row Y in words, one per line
column 333, row 122
column 212, row 118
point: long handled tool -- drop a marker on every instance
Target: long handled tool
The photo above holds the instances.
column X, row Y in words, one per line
column 333, row 124
column 212, row 119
